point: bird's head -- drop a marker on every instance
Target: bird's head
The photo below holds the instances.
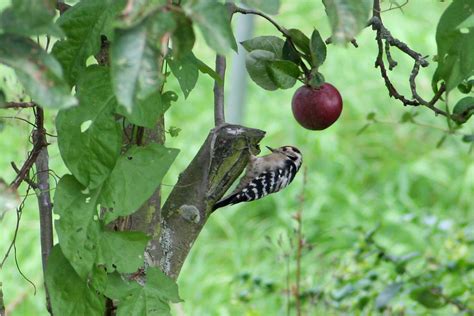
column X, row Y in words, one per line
column 293, row 153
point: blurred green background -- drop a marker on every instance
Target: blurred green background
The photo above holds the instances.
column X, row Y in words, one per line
column 392, row 175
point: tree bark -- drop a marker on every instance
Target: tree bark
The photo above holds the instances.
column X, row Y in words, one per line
column 216, row 166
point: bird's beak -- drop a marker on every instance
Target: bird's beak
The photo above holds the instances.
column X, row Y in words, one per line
column 270, row 148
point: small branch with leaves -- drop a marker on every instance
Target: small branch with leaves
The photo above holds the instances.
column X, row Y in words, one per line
column 385, row 41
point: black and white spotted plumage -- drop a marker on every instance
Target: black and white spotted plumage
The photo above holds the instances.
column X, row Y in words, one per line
column 265, row 175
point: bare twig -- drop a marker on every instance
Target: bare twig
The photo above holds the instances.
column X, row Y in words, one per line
column 383, row 35
column 219, row 115
column 44, row 198
column 33, row 155
column 353, row 42
column 18, row 105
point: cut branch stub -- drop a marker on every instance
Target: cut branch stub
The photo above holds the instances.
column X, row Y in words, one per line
column 216, row 166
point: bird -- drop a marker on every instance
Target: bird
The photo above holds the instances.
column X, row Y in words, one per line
column 265, row 175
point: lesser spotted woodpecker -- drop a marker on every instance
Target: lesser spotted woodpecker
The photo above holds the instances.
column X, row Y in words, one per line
column 265, row 175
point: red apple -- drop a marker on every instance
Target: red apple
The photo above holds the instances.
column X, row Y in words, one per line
column 316, row 108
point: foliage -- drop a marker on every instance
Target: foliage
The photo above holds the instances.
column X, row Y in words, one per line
column 110, row 177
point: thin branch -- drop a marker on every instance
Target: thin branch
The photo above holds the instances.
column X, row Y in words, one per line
column 352, row 41
column 18, row 105
column 32, row 156
column 383, row 35
column 45, row 205
column 219, row 115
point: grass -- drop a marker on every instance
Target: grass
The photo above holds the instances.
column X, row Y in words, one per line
column 391, row 174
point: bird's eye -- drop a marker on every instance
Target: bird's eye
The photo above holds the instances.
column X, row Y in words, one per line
column 284, row 148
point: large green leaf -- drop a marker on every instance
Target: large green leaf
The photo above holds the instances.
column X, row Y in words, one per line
column 29, row 18
column 40, row 73
column 134, row 179
column 455, row 41
column 89, row 137
column 70, row 295
column 84, row 23
column 81, row 236
column 272, row 44
column 151, row 299
column 186, row 70
column 76, row 227
column 136, row 73
column 347, row 18
column 268, row 6
column 213, row 20
column 122, row 251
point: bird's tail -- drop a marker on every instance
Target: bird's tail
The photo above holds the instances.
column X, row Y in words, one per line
column 231, row 199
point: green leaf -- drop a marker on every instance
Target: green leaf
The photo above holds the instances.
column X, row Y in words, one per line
column 392, row 290
column 466, row 86
column 318, row 49
column 426, row 296
column 256, row 62
column 39, row 72
column 300, row 40
column 269, row 43
column 463, row 110
column 167, row 98
column 136, row 73
column 122, row 251
column 89, row 138
column 455, row 47
column 135, row 177
column 151, row 299
column 213, row 20
column 186, row 71
column 174, row 131
column 147, row 112
column 283, row 73
column 70, row 295
column 81, row 236
column 76, row 228
column 205, row 69
column 347, row 18
column 30, row 18
column 119, row 288
column 290, row 53
column 268, row 6
column 316, row 79
column 183, row 37
column 84, row 23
